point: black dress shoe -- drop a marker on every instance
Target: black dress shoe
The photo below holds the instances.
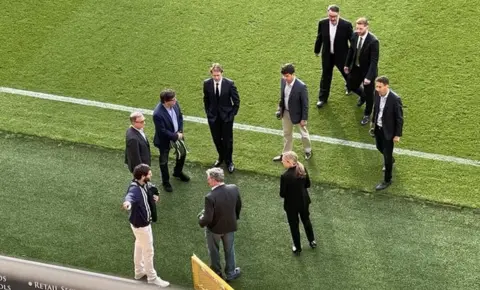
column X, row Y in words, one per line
column 296, row 251
column 360, row 102
column 231, row 168
column 313, row 244
column 383, row 185
column 277, row 158
column 182, row 176
column 236, row 274
column 308, row 155
column 167, row 186
column 217, row 163
column 365, row 120
column 321, row 103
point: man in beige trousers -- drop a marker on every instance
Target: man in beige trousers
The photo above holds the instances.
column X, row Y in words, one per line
column 293, row 110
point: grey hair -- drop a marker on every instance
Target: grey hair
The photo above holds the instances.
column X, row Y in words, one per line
column 216, row 174
column 135, row 115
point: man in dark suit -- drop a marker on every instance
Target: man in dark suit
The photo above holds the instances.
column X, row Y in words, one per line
column 222, row 210
column 334, row 34
column 362, row 66
column 137, row 150
column 221, row 101
column 293, row 110
column 387, row 125
column 168, row 120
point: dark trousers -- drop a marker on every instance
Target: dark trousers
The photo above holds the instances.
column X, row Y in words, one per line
column 328, row 62
column 354, row 81
column 222, row 134
column 163, row 160
column 293, row 222
column 386, row 148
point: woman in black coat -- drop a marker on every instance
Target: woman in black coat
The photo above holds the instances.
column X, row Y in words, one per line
column 293, row 189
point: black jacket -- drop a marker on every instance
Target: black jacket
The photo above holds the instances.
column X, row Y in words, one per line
column 369, row 54
column 293, row 190
column 297, row 103
column 342, row 38
column 222, row 209
column 137, row 149
column 226, row 107
column 392, row 118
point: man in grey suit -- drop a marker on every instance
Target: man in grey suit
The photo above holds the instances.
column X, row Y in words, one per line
column 220, row 215
column 293, row 110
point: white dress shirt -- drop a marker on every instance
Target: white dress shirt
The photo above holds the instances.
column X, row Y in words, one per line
column 219, row 86
column 287, row 91
column 333, row 31
column 141, row 133
column 220, row 184
column 381, row 106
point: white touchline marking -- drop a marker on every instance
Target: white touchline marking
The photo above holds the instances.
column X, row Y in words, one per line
column 244, row 127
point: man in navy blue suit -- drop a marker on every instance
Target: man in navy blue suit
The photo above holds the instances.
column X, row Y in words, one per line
column 168, row 120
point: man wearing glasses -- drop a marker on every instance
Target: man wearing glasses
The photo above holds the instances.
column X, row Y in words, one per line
column 168, row 120
column 137, row 149
column 333, row 39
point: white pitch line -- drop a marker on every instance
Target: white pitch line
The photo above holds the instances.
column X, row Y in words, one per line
column 244, row 127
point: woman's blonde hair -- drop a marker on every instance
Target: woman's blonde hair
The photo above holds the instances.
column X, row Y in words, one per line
column 293, row 158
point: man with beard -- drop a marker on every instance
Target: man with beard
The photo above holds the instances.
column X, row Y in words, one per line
column 362, row 66
column 136, row 201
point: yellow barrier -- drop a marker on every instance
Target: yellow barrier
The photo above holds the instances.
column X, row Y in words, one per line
column 204, row 278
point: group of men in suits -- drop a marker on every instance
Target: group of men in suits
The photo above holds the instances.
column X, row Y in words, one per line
column 221, row 103
column 222, row 203
column 354, row 54
column 356, row 57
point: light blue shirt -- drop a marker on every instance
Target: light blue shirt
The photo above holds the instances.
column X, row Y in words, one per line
column 173, row 115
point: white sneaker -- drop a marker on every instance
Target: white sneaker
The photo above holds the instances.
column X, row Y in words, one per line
column 159, row 282
column 140, row 275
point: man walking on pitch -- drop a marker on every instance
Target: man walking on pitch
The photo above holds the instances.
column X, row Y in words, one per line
column 362, row 66
column 220, row 215
column 334, row 34
column 293, row 110
column 136, row 201
column 387, row 125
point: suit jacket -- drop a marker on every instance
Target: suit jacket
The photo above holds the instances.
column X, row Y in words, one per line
column 164, row 131
column 226, row 107
column 293, row 190
column 222, row 209
column 369, row 54
column 392, row 118
column 297, row 103
column 342, row 38
column 137, row 149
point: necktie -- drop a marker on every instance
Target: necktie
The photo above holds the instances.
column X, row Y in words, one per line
column 217, row 91
column 359, row 48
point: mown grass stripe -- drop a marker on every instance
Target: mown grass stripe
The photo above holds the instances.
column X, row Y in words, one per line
column 244, row 127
